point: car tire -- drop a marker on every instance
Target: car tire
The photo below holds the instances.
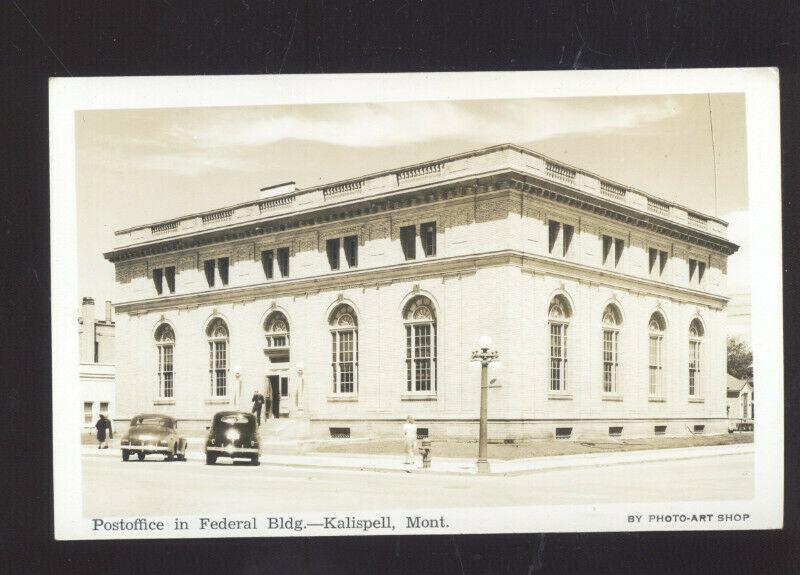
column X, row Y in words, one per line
column 254, row 460
column 211, row 459
column 140, row 455
column 125, row 455
column 171, row 454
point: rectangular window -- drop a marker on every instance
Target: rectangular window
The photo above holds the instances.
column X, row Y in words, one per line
column 614, row 431
column 169, row 274
column 563, row 432
column 694, row 368
column 655, row 366
column 610, row 360
column 345, row 361
column 558, row 357
column 421, row 358
column 209, row 267
column 569, row 231
column 87, row 412
column 267, row 262
column 408, row 241
column 96, row 351
column 662, row 262
column 165, row 372
column 427, row 233
column 652, row 254
column 660, row 429
column 218, row 367
column 332, row 249
column 158, row 280
column 608, row 245
column 104, row 408
column 283, row 262
column 701, row 271
column 692, row 269
column 284, row 387
column 553, row 232
column 222, row 265
column 619, row 248
column 351, row 250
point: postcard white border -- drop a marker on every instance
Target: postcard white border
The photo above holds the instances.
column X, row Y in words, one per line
column 760, row 86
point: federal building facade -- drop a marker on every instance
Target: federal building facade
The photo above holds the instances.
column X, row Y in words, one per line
column 359, row 302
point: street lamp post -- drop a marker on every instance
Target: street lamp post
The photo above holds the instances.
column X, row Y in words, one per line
column 485, row 357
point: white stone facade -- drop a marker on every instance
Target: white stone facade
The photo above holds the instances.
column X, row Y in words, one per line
column 513, row 231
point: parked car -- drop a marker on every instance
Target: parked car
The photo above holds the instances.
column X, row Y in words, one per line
column 233, row 434
column 153, row 433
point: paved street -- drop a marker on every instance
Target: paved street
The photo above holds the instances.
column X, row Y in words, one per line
column 154, row 487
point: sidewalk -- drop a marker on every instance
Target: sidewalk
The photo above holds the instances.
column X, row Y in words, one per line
column 463, row 466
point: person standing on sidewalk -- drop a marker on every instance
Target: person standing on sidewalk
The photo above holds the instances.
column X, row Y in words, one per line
column 103, row 425
column 410, row 439
column 267, row 400
column 258, row 403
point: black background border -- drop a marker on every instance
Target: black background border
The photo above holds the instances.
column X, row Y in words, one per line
column 76, row 38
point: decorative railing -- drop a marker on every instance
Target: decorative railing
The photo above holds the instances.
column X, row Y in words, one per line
column 219, row 216
column 165, row 228
column 560, row 172
column 656, row 207
column 421, row 171
column 698, row 222
column 347, row 188
column 612, row 191
column 276, row 203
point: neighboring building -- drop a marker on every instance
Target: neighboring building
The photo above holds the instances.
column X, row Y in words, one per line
column 97, row 363
column 360, row 301
column 740, row 400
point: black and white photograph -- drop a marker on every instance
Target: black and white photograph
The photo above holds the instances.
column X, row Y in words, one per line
column 418, row 303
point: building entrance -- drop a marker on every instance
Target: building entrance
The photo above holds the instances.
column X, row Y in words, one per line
column 278, row 390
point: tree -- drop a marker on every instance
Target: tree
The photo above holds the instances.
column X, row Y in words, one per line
column 740, row 358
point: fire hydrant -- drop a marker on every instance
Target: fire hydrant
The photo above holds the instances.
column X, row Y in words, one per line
column 425, row 452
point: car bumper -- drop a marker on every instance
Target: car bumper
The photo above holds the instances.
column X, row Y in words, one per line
column 231, row 451
column 146, row 448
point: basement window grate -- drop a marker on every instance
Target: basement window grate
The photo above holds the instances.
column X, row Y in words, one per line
column 699, row 428
column 614, row 431
column 660, row 429
column 340, row 432
column 422, row 433
column 563, row 432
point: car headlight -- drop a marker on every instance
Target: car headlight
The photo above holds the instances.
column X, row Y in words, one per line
column 232, row 434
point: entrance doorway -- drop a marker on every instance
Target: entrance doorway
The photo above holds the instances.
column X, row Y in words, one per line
column 279, row 390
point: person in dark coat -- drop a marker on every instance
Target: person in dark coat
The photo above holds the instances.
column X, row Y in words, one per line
column 267, row 401
column 258, row 403
column 104, row 433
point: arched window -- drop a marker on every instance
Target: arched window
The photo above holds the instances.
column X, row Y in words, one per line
column 696, row 333
column 276, row 331
column 656, row 328
column 165, row 345
column 217, row 333
column 612, row 320
column 344, row 349
column 558, row 322
column 420, row 324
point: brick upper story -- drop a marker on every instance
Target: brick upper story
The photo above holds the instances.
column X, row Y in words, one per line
column 470, row 200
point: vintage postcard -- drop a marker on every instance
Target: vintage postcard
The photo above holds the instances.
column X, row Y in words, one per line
column 416, row 303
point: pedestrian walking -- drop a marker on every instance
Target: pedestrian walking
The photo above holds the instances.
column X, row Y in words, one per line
column 410, row 439
column 267, row 400
column 104, row 433
column 258, row 403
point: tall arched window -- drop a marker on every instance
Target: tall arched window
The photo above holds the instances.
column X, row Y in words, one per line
column 558, row 322
column 165, row 345
column 217, row 333
column 696, row 333
column 612, row 320
column 344, row 349
column 420, row 324
column 656, row 328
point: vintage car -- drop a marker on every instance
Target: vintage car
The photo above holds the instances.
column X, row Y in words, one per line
column 233, row 434
column 153, row 433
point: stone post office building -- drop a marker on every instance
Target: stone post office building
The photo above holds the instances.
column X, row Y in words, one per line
column 359, row 302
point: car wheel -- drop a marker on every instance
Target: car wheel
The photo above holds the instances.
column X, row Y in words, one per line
column 140, row 455
column 125, row 454
column 171, row 454
column 211, row 459
column 254, row 460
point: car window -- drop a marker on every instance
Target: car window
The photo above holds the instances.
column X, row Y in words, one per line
column 154, row 421
column 239, row 421
column 231, row 419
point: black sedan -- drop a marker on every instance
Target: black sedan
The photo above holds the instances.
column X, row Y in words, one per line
column 153, row 433
column 233, row 434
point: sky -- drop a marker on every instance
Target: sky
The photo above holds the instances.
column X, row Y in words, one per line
column 140, row 166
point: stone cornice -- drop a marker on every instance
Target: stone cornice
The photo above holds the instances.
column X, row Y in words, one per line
column 437, row 268
column 507, row 179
